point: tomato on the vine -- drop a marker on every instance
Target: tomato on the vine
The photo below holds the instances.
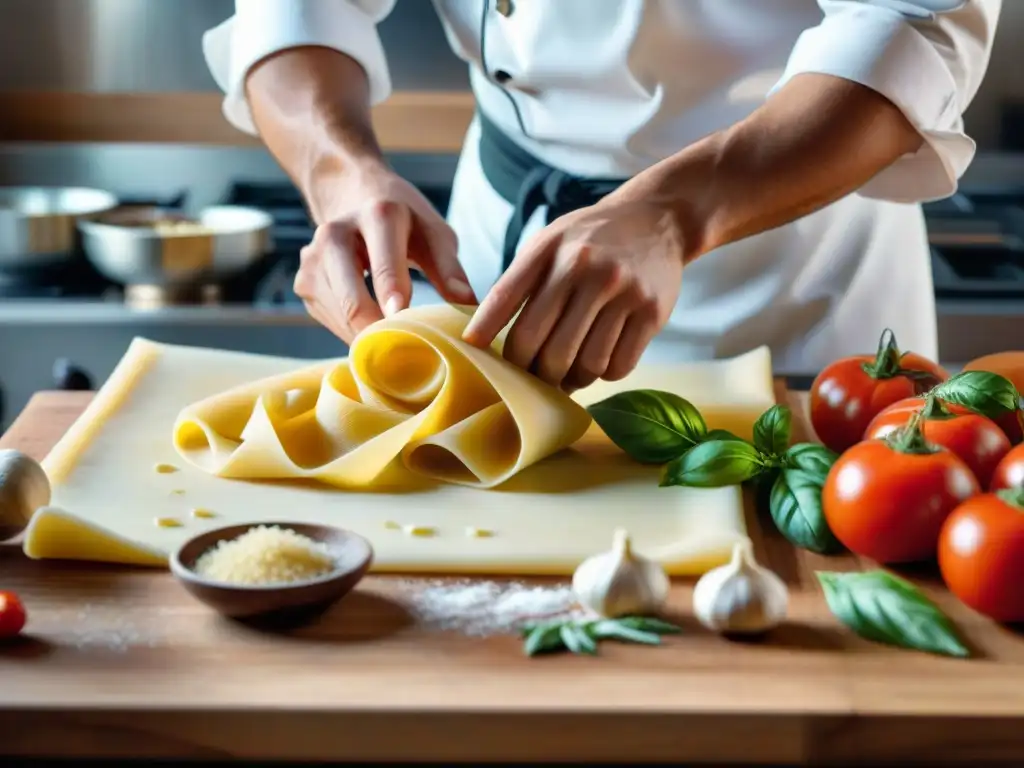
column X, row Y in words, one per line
column 1009, row 474
column 847, row 394
column 977, row 440
column 887, row 499
column 12, row 615
column 981, row 554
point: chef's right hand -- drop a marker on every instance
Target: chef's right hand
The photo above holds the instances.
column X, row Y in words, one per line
column 375, row 221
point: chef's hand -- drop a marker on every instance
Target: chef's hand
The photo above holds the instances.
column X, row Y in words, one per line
column 598, row 284
column 375, row 221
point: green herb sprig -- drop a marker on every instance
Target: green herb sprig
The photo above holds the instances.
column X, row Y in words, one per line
column 663, row 428
column 582, row 636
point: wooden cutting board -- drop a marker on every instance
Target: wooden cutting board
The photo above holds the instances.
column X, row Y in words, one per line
column 122, row 663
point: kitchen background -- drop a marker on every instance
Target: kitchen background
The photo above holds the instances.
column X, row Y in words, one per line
column 115, row 95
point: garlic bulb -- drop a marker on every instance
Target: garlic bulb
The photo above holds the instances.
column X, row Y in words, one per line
column 24, row 488
column 620, row 582
column 741, row 597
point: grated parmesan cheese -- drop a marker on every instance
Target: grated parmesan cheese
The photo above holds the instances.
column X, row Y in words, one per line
column 266, row 555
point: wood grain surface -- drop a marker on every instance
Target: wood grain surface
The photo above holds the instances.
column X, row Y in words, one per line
column 125, row 663
column 409, row 121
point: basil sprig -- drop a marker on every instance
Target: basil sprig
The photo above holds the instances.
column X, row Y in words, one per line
column 651, row 426
column 794, row 476
column 582, row 637
column 884, row 608
column 656, row 427
column 772, row 430
column 714, row 464
column 986, row 393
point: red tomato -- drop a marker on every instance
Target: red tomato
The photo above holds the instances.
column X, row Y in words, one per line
column 12, row 615
column 981, row 555
column 977, row 440
column 887, row 499
column 1010, row 472
column 1013, row 424
column 849, row 393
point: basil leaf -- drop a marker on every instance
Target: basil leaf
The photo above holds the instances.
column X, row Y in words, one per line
column 719, row 434
column 772, row 429
column 986, row 393
column 714, row 464
column 795, row 506
column 811, row 457
column 653, row 427
column 543, row 639
column 886, row 609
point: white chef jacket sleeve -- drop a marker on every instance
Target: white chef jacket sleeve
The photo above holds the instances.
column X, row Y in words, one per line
column 262, row 27
column 927, row 57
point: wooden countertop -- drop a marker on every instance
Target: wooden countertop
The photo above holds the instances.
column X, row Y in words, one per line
column 123, row 663
column 409, row 121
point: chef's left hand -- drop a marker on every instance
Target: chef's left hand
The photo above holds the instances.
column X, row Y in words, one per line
column 598, row 284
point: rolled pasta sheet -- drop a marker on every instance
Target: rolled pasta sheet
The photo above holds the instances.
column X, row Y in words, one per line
column 411, row 396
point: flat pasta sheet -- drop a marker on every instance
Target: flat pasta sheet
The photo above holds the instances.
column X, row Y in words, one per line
column 257, row 438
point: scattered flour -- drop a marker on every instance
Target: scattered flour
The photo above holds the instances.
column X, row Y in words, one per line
column 93, row 627
column 481, row 608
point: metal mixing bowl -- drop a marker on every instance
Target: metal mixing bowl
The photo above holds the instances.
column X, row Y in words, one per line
column 138, row 246
column 38, row 224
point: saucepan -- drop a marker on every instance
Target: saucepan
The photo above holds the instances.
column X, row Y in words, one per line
column 158, row 247
column 38, row 224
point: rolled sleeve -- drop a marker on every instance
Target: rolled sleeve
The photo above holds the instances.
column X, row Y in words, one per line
column 262, row 27
column 928, row 63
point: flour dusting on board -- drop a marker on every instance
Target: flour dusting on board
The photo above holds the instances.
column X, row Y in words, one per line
column 94, row 627
column 481, row 608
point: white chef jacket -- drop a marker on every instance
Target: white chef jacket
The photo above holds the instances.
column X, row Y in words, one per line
column 609, row 87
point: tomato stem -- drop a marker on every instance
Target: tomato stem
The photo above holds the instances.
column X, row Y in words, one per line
column 1012, row 496
column 886, row 364
column 910, row 439
column 935, row 410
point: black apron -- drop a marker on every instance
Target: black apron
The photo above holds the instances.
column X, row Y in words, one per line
column 527, row 183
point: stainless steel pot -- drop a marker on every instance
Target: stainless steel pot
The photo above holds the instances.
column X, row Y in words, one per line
column 38, row 225
column 163, row 249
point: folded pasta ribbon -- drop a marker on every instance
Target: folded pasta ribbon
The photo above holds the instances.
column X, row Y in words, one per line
column 410, row 391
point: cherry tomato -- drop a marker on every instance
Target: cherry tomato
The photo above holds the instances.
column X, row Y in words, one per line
column 850, row 392
column 12, row 615
column 1010, row 472
column 887, row 499
column 981, row 554
column 977, row 440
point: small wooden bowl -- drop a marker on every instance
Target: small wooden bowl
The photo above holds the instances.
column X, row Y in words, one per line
column 275, row 604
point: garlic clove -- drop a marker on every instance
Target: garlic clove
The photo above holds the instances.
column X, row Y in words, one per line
column 741, row 597
column 24, row 488
column 621, row 582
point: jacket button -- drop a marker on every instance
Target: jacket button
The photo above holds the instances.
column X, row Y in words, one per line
column 504, row 7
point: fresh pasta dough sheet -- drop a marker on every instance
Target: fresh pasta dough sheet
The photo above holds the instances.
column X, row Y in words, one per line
column 444, row 456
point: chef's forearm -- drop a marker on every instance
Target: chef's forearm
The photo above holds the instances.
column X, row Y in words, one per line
column 312, row 109
column 816, row 140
